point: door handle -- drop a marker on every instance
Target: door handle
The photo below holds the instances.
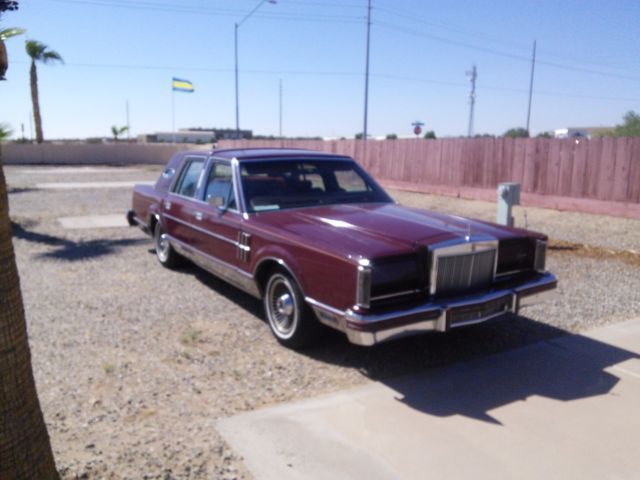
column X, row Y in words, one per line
column 198, row 215
column 167, row 205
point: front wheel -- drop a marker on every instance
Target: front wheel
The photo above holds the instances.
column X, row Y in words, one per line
column 167, row 256
column 290, row 319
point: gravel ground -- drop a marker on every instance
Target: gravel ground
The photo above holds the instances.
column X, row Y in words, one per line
column 134, row 363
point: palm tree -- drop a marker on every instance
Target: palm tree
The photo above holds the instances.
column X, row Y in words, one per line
column 117, row 131
column 4, row 60
column 39, row 52
column 25, row 451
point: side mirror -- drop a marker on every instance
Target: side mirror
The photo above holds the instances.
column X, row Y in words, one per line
column 218, row 202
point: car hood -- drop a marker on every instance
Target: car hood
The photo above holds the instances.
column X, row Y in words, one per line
column 377, row 230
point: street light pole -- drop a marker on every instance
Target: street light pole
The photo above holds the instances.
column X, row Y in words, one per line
column 366, row 75
column 235, row 43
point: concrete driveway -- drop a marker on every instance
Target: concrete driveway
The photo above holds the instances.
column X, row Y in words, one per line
column 563, row 408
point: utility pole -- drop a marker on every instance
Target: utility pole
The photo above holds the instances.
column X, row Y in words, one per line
column 366, row 75
column 533, row 67
column 235, row 50
column 473, row 73
column 280, row 117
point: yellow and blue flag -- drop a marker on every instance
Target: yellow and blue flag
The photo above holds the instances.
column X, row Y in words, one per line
column 180, row 85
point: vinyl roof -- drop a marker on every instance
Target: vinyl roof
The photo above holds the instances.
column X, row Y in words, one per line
column 248, row 154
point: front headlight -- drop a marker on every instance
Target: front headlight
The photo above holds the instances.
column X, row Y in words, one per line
column 541, row 256
column 363, row 287
column 391, row 277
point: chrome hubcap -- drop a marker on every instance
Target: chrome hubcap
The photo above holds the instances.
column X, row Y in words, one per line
column 162, row 245
column 284, row 305
column 281, row 306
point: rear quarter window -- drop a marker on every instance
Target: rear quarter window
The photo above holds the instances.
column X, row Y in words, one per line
column 188, row 182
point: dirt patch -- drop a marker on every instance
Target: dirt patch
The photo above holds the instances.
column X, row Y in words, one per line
column 630, row 257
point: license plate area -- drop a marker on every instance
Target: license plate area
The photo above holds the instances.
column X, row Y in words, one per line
column 468, row 314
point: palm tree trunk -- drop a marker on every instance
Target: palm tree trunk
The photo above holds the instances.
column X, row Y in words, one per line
column 36, row 102
column 25, row 451
column 4, row 61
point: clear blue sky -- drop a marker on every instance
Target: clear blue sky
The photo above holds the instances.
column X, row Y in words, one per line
column 588, row 73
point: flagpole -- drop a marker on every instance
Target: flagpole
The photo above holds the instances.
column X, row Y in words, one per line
column 173, row 113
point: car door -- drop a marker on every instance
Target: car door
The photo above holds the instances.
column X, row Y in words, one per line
column 182, row 207
column 220, row 223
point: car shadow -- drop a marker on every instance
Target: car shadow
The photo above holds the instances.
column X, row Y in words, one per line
column 69, row 250
column 17, row 190
column 228, row 291
column 469, row 371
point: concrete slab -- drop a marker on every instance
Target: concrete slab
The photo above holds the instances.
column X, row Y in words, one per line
column 81, row 185
column 562, row 409
column 94, row 221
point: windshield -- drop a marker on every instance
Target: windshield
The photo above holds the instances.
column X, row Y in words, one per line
column 277, row 185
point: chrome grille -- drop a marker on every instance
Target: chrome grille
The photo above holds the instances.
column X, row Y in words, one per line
column 464, row 272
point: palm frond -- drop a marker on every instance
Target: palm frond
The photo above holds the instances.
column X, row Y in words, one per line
column 35, row 49
column 11, row 32
column 50, row 56
column 5, row 131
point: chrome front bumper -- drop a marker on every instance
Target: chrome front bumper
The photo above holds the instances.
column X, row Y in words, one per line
column 370, row 329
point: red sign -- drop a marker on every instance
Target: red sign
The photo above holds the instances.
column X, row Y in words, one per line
column 417, row 130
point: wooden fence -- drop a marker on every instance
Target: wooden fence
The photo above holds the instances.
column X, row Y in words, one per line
column 91, row 154
column 601, row 175
column 606, row 169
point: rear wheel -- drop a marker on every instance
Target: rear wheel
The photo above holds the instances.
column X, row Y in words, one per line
column 167, row 256
column 291, row 321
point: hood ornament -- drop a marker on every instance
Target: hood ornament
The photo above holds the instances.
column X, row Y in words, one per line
column 467, row 237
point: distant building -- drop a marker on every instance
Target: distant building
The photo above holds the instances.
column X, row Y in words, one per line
column 196, row 135
column 582, row 132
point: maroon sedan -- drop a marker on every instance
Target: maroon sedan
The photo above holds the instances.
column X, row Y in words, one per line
column 320, row 241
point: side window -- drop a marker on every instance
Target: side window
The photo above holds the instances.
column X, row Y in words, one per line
column 220, row 184
column 188, row 182
column 350, row 181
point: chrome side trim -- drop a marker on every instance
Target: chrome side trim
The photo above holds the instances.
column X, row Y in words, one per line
column 244, row 249
column 139, row 222
column 201, row 230
column 229, row 273
column 324, row 306
column 326, row 314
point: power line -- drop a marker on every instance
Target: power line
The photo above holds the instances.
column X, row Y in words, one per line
column 190, row 9
column 500, row 53
column 415, row 17
column 334, row 73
